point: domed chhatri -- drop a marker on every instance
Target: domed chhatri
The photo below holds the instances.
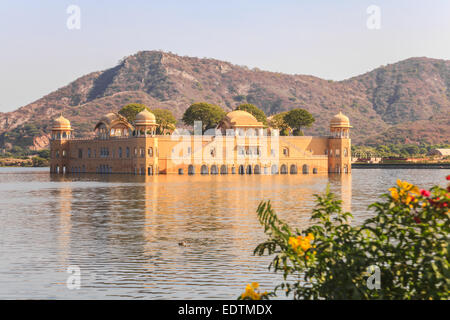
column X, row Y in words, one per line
column 241, row 117
column 239, row 120
column 145, row 117
column 340, row 120
column 61, row 123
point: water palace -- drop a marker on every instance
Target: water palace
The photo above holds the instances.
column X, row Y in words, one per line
column 241, row 145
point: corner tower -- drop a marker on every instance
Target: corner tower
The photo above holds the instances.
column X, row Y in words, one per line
column 339, row 145
column 59, row 145
column 145, row 123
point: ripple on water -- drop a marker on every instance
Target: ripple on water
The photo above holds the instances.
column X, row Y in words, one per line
column 123, row 231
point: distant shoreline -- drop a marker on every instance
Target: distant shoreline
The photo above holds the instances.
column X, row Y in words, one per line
column 400, row 165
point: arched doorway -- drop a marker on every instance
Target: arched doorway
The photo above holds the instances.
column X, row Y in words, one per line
column 223, row 169
column 241, row 169
column 293, row 169
column 204, row 169
column 191, row 169
column 249, row 169
column 214, row 169
column 257, row 169
column 305, row 169
column 150, row 171
column 283, row 169
column 274, row 169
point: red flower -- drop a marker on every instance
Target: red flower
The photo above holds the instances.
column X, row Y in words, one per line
column 448, row 177
column 417, row 220
column 425, row 193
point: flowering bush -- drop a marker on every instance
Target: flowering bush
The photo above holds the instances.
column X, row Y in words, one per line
column 407, row 240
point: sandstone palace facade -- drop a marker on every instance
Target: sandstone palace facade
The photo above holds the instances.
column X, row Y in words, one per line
column 239, row 145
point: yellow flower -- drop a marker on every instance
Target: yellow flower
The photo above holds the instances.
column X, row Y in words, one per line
column 394, row 193
column 250, row 292
column 406, row 186
column 300, row 242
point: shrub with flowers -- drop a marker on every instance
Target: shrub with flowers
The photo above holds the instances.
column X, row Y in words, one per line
column 407, row 239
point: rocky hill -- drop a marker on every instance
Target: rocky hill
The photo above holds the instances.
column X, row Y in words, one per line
column 405, row 102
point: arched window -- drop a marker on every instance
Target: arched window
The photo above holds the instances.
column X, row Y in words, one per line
column 305, row 169
column 283, row 169
column 241, row 169
column 120, row 152
column 293, row 169
column 249, row 169
column 223, row 169
column 214, row 169
column 191, row 169
column 274, row 169
column 345, row 152
column 150, row 152
column 180, row 171
column 315, row 170
column 286, row 152
column 204, row 169
column 128, row 152
column 257, row 169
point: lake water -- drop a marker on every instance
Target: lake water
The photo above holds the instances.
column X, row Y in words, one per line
column 123, row 231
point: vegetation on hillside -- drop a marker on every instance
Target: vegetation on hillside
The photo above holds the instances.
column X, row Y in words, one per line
column 396, row 150
column 403, row 103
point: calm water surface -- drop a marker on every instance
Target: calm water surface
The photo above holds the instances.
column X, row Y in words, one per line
column 123, row 231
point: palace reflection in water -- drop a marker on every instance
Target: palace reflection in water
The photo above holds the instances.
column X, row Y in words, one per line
column 123, row 231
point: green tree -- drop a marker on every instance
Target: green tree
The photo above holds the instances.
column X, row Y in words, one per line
column 254, row 110
column 277, row 122
column 45, row 153
column 165, row 120
column 297, row 119
column 39, row 162
column 131, row 110
column 209, row 114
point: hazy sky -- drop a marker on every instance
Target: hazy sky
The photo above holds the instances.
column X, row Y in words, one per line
column 328, row 39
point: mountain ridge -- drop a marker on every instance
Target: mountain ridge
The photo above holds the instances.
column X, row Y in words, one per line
column 405, row 101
